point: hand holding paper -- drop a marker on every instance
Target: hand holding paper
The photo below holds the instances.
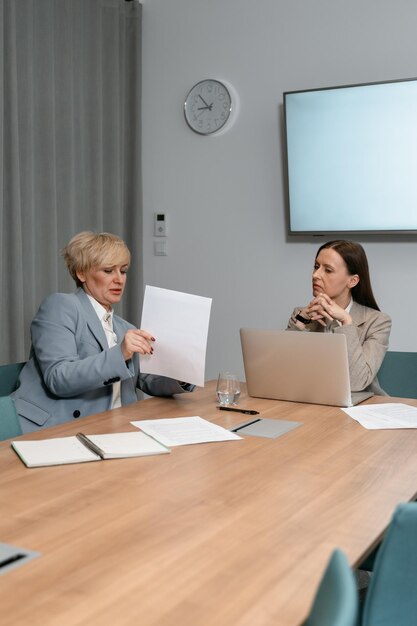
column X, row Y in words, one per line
column 179, row 322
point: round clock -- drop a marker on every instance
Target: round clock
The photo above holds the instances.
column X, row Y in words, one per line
column 208, row 106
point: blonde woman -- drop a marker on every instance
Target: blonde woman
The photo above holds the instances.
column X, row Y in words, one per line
column 84, row 358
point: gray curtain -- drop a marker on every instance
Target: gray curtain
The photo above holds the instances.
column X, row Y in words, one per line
column 70, row 148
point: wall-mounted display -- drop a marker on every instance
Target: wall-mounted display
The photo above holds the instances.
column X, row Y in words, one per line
column 351, row 157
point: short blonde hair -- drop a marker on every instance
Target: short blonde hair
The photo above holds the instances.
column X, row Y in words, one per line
column 88, row 249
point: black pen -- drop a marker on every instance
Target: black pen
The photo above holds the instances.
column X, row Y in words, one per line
column 234, row 430
column 246, row 411
column 89, row 444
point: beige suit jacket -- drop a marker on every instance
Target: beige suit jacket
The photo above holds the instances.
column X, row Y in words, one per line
column 367, row 342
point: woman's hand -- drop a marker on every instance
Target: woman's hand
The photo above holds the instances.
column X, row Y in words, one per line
column 323, row 308
column 136, row 341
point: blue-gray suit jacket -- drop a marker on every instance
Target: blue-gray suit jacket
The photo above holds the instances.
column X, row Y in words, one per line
column 71, row 368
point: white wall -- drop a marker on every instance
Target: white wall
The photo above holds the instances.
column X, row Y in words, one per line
column 224, row 195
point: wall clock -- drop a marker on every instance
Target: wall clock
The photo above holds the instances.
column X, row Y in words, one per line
column 208, row 106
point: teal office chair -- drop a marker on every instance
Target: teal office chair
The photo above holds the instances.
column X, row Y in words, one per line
column 398, row 374
column 391, row 599
column 9, row 422
column 336, row 602
column 398, row 377
column 9, row 376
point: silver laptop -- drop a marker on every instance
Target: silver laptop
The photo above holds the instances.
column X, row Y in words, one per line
column 298, row 366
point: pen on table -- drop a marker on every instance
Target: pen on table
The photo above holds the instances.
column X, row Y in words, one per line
column 246, row 411
column 89, row 444
column 234, row 430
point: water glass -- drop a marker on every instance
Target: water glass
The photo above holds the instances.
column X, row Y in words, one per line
column 228, row 388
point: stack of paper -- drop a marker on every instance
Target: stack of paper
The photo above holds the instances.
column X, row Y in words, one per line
column 390, row 415
column 181, row 431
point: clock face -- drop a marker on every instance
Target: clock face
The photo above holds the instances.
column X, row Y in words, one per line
column 207, row 106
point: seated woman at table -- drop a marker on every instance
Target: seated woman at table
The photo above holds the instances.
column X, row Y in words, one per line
column 344, row 303
column 84, row 358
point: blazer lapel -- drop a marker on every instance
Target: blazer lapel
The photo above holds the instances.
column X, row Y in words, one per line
column 91, row 317
column 358, row 313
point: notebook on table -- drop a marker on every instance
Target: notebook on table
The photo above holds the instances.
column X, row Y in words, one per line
column 81, row 448
column 298, row 367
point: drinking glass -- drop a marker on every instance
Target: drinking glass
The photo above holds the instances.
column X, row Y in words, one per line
column 228, row 388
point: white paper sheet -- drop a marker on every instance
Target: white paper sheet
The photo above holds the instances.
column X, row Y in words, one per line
column 390, row 415
column 182, row 431
column 179, row 322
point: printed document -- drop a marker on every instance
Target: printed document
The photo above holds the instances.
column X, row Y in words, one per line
column 181, row 431
column 389, row 415
column 179, row 322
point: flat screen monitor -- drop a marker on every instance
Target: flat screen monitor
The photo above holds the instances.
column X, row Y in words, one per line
column 351, row 158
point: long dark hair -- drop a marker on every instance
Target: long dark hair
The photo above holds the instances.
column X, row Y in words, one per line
column 356, row 262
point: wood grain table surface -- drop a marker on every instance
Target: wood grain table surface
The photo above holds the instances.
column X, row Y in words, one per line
column 230, row 533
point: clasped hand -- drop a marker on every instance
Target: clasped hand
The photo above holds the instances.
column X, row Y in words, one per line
column 136, row 340
column 323, row 308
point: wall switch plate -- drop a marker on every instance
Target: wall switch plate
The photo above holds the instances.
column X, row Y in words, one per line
column 159, row 248
column 159, row 227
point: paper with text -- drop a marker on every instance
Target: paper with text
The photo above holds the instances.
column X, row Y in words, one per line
column 389, row 415
column 181, row 431
column 179, row 322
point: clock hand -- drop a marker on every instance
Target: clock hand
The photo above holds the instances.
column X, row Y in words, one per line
column 203, row 108
column 198, row 115
column 201, row 97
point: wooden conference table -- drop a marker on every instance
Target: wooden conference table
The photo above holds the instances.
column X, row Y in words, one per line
column 231, row 533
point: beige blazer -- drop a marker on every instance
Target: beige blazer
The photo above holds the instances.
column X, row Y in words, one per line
column 367, row 342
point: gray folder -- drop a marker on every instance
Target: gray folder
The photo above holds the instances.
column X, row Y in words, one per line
column 266, row 428
column 11, row 557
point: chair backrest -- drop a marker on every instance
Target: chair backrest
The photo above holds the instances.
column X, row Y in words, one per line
column 398, row 374
column 9, row 376
column 9, row 421
column 391, row 599
column 336, row 602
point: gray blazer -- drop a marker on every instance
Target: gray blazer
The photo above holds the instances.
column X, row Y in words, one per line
column 71, row 368
column 367, row 342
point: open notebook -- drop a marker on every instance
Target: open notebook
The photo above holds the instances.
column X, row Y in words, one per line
column 82, row 448
column 298, row 366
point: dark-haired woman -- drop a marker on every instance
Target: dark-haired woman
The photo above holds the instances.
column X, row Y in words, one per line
column 344, row 303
